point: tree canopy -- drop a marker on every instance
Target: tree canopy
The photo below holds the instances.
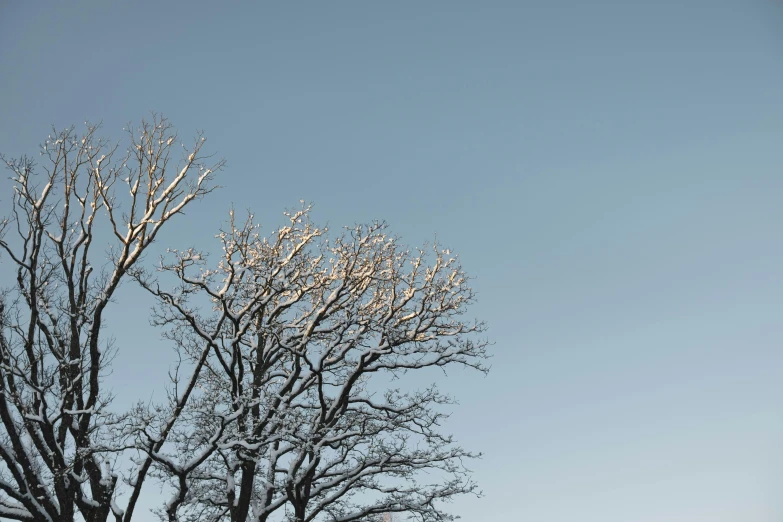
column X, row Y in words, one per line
column 281, row 403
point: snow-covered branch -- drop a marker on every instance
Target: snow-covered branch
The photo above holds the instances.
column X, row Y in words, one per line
column 56, row 425
column 299, row 324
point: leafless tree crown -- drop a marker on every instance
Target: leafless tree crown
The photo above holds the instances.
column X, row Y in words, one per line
column 282, row 403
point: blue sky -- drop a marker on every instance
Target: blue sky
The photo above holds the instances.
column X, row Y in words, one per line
column 610, row 173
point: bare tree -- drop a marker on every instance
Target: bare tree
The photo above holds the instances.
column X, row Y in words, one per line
column 284, row 401
column 289, row 422
column 56, row 446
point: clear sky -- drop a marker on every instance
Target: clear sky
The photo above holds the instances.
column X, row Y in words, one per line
column 610, row 173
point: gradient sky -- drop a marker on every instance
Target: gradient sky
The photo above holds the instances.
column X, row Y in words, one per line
column 610, row 173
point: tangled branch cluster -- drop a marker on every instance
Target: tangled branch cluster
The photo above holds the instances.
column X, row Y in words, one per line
column 281, row 404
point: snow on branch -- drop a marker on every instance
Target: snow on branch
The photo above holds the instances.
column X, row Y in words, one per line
column 299, row 324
